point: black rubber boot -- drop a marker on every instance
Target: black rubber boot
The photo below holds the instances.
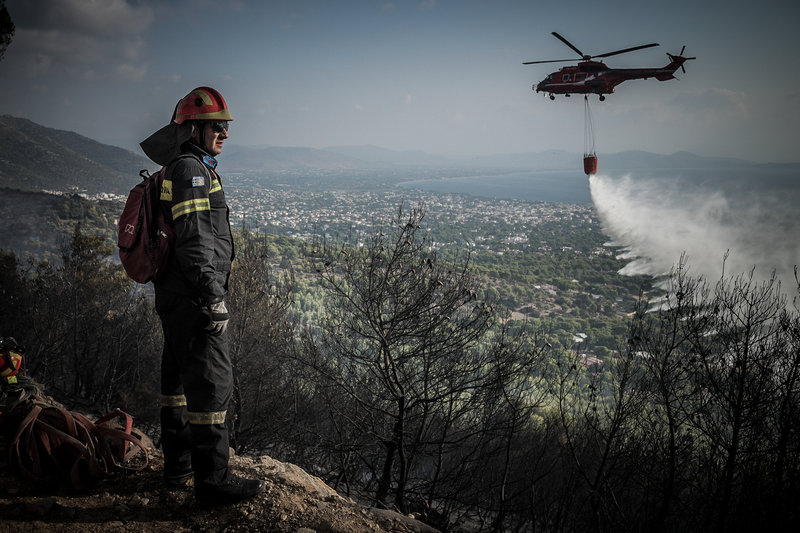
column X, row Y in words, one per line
column 234, row 490
column 178, row 480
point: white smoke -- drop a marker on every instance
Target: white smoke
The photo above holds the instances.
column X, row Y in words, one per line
column 656, row 220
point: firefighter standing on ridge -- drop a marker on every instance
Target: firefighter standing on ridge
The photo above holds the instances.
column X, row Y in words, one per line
column 196, row 369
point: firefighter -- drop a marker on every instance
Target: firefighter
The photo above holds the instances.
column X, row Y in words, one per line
column 196, row 369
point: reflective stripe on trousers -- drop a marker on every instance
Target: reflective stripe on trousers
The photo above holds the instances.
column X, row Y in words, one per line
column 196, row 387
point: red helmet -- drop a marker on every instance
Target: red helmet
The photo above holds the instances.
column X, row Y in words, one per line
column 203, row 103
column 10, row 358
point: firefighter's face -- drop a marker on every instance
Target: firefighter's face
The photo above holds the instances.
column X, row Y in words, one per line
column 215, row 134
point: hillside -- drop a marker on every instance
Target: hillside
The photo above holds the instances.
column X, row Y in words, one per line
column 38, row 222
column 384, row 156
column 33, row 157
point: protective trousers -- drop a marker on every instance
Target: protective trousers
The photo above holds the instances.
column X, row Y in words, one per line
column 196, row 386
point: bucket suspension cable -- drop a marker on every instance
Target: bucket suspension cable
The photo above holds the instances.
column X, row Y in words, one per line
column 589, row 153
column 588, row 132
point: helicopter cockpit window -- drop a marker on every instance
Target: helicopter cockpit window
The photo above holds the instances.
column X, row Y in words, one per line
column 567, row 77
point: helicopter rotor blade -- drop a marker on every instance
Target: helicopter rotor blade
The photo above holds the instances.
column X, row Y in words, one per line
column 586, row 57
column 608, row 54
column 547, row 61
column 563, row 40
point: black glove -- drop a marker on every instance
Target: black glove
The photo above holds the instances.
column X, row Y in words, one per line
column 218, row 315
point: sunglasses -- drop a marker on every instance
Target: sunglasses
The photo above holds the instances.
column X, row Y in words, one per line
column 218, row 126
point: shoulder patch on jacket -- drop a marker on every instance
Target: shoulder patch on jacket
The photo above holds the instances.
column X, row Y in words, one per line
column 166, row 190
column 198, row 181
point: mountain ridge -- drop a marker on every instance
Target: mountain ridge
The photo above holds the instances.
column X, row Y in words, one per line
column 36, row 157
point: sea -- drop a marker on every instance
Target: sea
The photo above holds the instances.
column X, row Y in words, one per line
column 722, row 221
column 562, row 186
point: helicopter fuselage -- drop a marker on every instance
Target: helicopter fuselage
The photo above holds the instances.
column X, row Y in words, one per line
column 594, row 77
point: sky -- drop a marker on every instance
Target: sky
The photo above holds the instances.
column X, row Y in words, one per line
column 441, row 76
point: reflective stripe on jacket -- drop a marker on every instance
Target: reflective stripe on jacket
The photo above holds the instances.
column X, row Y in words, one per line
column 194, row 202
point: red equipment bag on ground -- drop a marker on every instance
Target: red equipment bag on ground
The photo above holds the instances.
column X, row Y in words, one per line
column 52, row 444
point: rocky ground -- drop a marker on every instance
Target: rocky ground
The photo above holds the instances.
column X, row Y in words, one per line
column 294, row 502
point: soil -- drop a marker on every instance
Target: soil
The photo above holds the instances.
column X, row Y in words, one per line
column 294, row 502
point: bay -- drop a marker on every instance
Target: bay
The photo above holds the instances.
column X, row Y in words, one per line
column 730, row 220
column 561, row 186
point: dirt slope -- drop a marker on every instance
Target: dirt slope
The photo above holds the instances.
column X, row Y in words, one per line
column 294, row 502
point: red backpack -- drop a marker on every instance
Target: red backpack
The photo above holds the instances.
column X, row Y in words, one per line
column 145, row 238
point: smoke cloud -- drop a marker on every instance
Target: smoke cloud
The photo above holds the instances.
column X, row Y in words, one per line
column 748, row 214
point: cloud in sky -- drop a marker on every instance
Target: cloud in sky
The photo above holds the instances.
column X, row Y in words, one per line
column 442, row 76
column 94, row 39
column 107, row 18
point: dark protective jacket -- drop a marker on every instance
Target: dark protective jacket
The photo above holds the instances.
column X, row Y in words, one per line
column 194, row 203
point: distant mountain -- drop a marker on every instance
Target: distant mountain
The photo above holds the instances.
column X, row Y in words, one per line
column 376, row 154
column 277, row 158
column 637, row 159
column 35, row 157
column 548, row 160
column 561, row 160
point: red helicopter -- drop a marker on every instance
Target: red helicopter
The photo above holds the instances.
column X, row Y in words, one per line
column 594, row 77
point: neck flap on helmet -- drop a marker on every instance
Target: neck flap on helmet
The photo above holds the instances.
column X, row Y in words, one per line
column 165, row 145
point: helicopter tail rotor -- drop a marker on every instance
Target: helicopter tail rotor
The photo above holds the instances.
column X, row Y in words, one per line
column 680, row 59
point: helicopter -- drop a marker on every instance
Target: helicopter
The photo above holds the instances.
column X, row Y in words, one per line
column 594, row 77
